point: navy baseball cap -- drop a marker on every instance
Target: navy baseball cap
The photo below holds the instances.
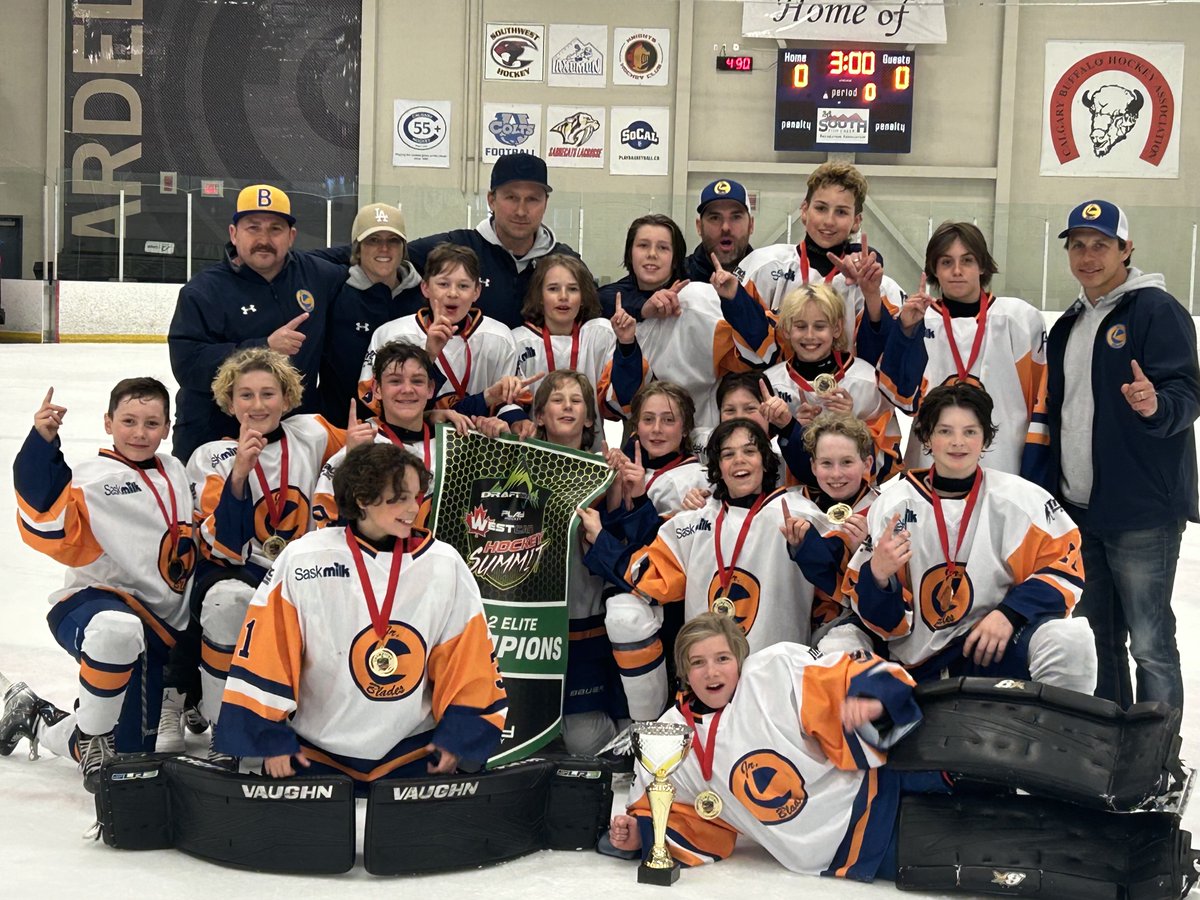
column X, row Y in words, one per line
column 723, row 189
column 1100, row 215
column 520, row 167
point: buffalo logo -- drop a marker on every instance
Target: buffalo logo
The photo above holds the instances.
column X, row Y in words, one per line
column 406, row 672
column 292, row 519
column 1116, row 337
column 1007, row 879
column 769, row 786
column 739, row 601
column 576, row 129
column 511, row 128
column 305, row 300
column 639, row 135
column 946, row 596
column 1114, row 110
column 175, row 564
column 513, row 53
column 1091, row 211
column 504, row 529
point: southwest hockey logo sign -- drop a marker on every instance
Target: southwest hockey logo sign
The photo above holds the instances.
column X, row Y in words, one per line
column 514, row 52
column 509, row 508
column 504, row 530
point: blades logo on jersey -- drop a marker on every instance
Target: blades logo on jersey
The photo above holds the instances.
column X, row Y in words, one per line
column 769, row 786
column 292, row 519
column 406, row 662
column 740, row 602
column 946, row 597
column 175, row 563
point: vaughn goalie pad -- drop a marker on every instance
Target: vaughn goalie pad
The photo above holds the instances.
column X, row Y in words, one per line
column 302, row 825
column 133, row 804
column 1030, row 847
column 1045, row 740
column 463, row 821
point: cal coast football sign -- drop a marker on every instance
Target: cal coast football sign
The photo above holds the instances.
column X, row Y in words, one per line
column 509, row 508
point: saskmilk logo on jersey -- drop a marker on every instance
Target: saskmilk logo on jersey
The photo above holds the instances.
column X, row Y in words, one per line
column 504, row 529
column 769, row 786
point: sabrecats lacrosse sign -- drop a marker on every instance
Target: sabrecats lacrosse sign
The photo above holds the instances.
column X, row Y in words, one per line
column 1112, row 109
column 509, row 508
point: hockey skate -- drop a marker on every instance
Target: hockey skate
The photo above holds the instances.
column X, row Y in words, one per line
column 170, row 723
column 217, row 758
column 23, row 709
column 94, row 749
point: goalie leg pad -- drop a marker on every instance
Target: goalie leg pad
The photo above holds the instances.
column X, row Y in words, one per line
column 465, row 821
column 1044, row 740
column 133, row 806
column 578, row 803
column 302, row 825
column 1029, row 847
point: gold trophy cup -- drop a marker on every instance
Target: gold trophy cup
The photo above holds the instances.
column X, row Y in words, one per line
column 660, row 747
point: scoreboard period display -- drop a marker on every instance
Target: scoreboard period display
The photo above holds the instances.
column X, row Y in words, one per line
column 844, row 99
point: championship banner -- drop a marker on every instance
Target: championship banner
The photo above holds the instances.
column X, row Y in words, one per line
column 877, row 21
column 1112, row 109
column 509, row 508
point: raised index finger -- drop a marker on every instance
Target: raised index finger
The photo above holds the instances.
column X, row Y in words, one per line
column 50, row 396
column 1133, row 364
column 353, row 419
column 787, row 513
column 866, row 250
column 526, row 382
column 618, row 302
column 717, row 267
column 921, row 289
column 762, row 390
column 297, row 322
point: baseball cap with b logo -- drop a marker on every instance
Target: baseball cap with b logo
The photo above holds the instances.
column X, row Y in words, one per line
column 263, row 198
column 1100, row 215
column 377, row 217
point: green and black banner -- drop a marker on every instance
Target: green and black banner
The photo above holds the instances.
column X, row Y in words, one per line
column 509, row 508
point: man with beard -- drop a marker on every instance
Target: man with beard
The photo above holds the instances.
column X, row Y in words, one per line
column 261, row 295
column 724, row 223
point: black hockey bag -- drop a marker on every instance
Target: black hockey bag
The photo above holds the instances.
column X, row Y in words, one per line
column 1030, row 847
column 1045, row 740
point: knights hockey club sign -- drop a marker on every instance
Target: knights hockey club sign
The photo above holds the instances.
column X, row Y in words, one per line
column 509, row 508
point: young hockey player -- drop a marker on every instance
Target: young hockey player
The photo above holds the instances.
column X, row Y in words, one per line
column 122, row 524
column 366, row 651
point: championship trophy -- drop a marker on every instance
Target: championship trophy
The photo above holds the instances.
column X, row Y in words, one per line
column 660, row 747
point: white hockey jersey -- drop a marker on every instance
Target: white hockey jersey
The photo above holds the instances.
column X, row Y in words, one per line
column 591, row 356
column 668, row 485
column 1011, row 368
column 302, row 674
column 814, row 795
column 769, row 273
column 233, row 531
column 769, row 596
column 1020, row 549
column 102, row 521
column 479, row 354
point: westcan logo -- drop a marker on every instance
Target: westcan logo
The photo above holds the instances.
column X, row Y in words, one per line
column 504, row 529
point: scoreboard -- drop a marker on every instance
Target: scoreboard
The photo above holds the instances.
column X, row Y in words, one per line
column 848, row 99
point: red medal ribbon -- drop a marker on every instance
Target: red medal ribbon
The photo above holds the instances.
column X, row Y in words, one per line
column 172, row 520
column 275, row 512
column 426, row 437
column 804, row 269
column 379, row 617
column 943, row 532
column 723, row 572
column 980, row 325
column 678, row 461
column 842, row 365
column 550, row 364
column 704, row 753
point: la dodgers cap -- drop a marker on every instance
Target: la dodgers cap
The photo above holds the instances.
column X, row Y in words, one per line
column 264, row 198
column 377, row 217
column 723, row 189
column 520, row 167
column 1105, row 217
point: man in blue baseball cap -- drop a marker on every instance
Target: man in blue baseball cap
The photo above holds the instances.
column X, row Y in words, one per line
column 510, row 241
column 724, row 223
column 1123, row 392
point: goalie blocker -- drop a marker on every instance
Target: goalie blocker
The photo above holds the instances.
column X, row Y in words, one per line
column 150, row 801
column 1047, row 741
column 1030, row 847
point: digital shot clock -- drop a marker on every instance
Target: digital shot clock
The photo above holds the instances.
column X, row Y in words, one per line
column 846, row 98
column 735, row 63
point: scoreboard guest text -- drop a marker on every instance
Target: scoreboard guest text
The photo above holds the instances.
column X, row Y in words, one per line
column 844, row 99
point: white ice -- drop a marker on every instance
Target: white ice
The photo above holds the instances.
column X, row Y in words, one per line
column 44, row 811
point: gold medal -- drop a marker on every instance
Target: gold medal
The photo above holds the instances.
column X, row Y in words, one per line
column 824, row 384
column 839, row 513
column 273, row 546
column 708, row 805
column 723, row 606
column 382, row 662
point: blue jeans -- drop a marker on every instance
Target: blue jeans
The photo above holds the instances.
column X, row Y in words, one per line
column 1129, row 577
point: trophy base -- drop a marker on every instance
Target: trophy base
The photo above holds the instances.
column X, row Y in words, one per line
column 661, row 877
